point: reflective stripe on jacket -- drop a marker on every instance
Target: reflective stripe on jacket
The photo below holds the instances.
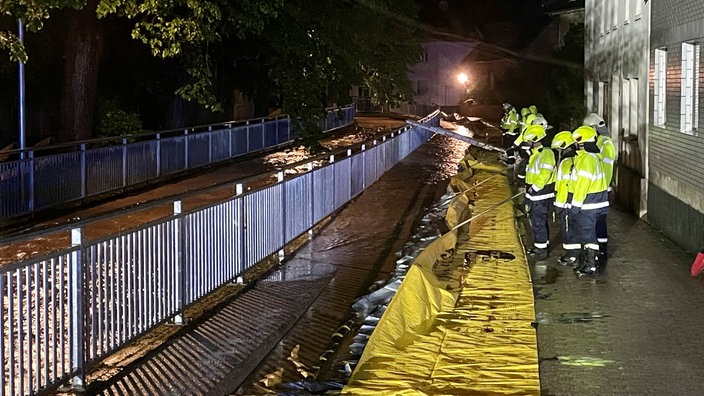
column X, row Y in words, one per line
column 564, row 172
column 607, row 154
column 588, row 182
column 540, row 174
column 509, row 122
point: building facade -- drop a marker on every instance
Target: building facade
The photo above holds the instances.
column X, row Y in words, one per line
column 616, row 86
column 676, row 126
column 434, row 78
column 643, row 73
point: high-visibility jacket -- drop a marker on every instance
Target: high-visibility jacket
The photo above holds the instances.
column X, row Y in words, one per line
column 562, row 182
column 607, row 153
column 540, row 174
column 509, row 122
column 588, row 182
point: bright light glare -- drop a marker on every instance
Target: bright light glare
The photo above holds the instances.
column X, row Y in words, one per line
column 462, row 130
column 462, row 78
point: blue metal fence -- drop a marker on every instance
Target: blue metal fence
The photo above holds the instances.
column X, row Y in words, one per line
column 62, row 313
column 60, row 174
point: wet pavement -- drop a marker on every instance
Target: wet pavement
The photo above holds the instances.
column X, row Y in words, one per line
column 633, row 330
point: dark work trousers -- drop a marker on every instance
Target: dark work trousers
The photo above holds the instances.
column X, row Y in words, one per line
column 567, row 228
column 585, row 227
column 601, row 233
column 508, row 139
column 520, row 170
column 539, row 222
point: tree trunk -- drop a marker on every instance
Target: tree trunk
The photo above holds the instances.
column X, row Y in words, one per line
column 83, row 49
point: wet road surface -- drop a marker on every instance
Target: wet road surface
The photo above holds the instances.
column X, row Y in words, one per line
column 634, row 330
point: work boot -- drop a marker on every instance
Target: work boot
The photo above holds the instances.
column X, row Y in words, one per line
column 567, row 259
column 537, row 253
column 590, row 266
column 603, row 255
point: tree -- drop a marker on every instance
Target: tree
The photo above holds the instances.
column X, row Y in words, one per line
column 296, row 55
column 33, row 14
column 79, row 97
column 316, row 50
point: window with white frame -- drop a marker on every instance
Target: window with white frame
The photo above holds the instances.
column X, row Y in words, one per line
column 633, row 127
column 660, row 78
column 626, row 12
column 689, row 97
column 626, row 104
column 639, row 8
column 614, row 15
column 602, row 99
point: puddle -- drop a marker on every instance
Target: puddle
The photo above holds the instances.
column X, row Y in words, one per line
column 569, row 317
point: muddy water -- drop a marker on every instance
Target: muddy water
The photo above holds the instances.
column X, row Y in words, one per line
column 252, row 173
column 361, row 245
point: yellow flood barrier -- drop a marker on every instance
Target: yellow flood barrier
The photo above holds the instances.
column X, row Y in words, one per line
column 461, row 321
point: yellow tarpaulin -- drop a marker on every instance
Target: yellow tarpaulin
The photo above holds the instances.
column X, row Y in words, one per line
column 460, row 323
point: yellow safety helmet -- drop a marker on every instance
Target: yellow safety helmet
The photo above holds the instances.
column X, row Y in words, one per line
column 584, row 134
column 533, row 109
column 534, row 133
column 525, row 111
column 562, row 140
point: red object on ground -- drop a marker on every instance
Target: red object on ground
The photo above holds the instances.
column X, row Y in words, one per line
column 698, row 265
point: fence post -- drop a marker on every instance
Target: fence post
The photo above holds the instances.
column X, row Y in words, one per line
column 263, row 126
column 311, row 187
column 334, row 177
column 210, row 144
column 185, row 149
column 229, row 140
column 180, row 239
column 280, row 179
column 288, row 128
column 246, row 128
column 76, row 292
column 364, row 166
column 349, row 179
column 30, row 183
column 124, row 162
column 158, row 155
column 84, row 182
column 240, row 222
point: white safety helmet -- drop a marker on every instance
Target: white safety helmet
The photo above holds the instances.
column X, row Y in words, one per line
column 540, row 120
column 594, row 120
column 507, row 106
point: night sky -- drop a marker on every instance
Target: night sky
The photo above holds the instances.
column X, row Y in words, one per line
column 471, row 18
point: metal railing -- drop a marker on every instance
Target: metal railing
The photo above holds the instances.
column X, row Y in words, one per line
column 64, row 312
column 56, row 175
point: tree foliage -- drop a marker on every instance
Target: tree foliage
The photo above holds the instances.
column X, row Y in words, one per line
column 297, row 55
column 33, row 14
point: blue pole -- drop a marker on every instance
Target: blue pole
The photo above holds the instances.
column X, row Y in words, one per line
column 20, row 29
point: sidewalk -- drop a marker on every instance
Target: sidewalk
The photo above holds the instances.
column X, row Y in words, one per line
column 634, row 330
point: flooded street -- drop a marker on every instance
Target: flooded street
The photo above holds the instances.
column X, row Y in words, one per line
column 204, row 187
column 362, row 245
column 288, row 327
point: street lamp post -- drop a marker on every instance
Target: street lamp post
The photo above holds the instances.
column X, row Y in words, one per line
column 463, row 79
